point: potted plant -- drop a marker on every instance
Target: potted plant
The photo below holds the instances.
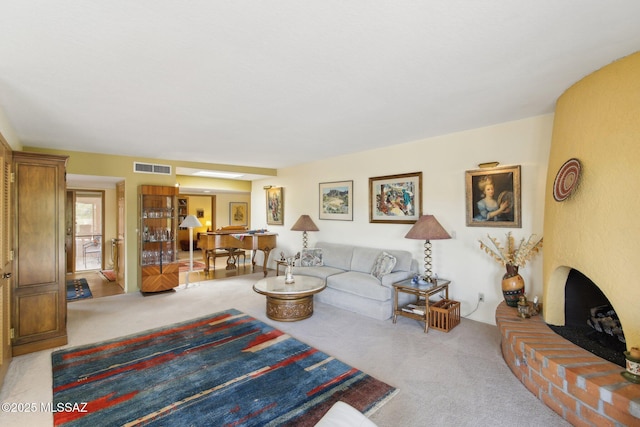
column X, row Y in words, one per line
column 512, row 257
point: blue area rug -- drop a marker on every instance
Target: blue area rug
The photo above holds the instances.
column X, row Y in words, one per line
column 226, row 369
column 78, row 289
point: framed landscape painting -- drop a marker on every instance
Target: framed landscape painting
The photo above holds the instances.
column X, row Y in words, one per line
column 395, row 198
column 493, row 197
column 336, row 200
column 275, row 206
column 238, row 213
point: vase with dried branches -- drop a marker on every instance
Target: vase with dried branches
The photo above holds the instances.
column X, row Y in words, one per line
column 512, row 257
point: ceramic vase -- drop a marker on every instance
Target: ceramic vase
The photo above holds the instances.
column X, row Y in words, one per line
column 512, row 286
column 633, row 365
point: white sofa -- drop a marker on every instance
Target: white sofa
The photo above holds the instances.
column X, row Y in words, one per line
column 350, row 284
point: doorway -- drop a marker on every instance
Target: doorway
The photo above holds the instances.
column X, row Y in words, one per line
column 85, row 230
column 203, row 207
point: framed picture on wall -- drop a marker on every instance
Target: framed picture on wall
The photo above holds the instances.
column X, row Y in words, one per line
column 336, row 200
column 493, row 197
column 238, row 214
column 395, row 198
column 275, row 206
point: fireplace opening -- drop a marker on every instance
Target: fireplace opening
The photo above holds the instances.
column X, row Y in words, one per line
column 590, row 320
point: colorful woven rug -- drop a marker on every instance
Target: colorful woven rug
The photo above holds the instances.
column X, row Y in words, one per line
column 197, row 265
column 78, row 289
column 227, row 369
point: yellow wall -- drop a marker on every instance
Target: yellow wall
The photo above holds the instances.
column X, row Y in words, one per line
column 596, row 230
column 121, row 166
column 222, row 207
column 204, row 203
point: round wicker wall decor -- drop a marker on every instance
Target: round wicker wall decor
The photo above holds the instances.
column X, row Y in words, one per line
column 566, row 180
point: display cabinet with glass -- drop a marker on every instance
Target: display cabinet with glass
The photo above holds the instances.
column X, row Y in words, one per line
column 158, row 257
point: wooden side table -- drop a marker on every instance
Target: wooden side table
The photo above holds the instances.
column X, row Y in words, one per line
column 422, row 294
column 280, row 262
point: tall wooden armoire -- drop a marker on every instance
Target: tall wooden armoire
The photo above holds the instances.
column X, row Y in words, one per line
column 39, row 297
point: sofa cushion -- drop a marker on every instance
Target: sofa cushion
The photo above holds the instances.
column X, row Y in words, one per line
column 384, row 265
column 364, row 259
column 361, row 284
column 320, row 272
column 404, row 259
column 311, row 257
column 395, row 276
column 336, row 255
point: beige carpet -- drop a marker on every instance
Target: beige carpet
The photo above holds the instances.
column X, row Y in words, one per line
column 445, row 379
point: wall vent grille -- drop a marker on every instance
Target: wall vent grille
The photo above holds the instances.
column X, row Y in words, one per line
column 140, row 167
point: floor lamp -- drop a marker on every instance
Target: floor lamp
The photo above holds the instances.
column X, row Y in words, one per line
column 189, row 222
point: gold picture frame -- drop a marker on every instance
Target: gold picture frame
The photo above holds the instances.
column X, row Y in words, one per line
column 238, row 214
column 493, row 197
column 275, row 206
column 395, row 198
column 336, row 200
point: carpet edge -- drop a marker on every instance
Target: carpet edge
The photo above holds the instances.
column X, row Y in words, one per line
column 144, row 331
column 380, row 403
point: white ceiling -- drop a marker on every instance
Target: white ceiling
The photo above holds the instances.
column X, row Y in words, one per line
column 280, row 83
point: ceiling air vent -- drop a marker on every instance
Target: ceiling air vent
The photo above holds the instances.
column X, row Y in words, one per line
column 151, row 168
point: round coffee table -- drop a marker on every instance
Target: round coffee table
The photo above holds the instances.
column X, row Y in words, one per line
column 289, row 302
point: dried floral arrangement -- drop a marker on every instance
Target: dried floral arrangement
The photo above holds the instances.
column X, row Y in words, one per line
column 512, row 254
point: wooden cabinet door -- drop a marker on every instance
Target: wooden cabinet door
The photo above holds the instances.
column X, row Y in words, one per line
column 39, row 303
column 6, row 266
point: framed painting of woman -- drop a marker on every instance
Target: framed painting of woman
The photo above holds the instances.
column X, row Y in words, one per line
column 493, row 197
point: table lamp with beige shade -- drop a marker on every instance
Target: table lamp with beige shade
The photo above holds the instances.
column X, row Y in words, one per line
column 304, row 224
column 427, row 228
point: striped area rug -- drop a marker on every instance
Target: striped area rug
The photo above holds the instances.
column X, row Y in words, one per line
column 227, row 369
column 197, row 266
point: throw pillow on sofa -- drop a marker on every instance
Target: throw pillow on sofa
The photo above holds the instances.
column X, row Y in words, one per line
column 384, row 265
column 311, row 258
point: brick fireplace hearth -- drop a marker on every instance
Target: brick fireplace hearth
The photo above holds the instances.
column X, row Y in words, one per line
column 578, row 385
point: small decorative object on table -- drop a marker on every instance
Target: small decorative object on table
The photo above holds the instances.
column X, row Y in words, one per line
column 524, row 309
column 423, row 281
column 633, row 365
column 512, row 258
column 288, row 271
column 535, row 308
